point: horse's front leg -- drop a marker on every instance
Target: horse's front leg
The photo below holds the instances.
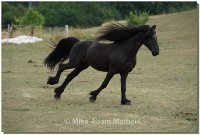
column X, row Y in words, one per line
column 124, row 100
column 103, row 85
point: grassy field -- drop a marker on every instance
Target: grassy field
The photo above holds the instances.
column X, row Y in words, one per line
column 163, row 89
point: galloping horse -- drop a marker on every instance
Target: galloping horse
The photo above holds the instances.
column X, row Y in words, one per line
column 118, row 57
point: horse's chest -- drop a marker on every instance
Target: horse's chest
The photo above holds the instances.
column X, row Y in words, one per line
column 127, row 66
column 123, row 63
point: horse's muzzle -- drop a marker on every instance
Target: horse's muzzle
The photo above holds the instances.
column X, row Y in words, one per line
column 155, row 53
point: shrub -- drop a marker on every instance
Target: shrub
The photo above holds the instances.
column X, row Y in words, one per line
column 33, row 17
column 137, row 18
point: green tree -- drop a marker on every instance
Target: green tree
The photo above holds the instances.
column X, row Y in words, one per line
column 10, row 11
column 137, row 18
column 33, row 17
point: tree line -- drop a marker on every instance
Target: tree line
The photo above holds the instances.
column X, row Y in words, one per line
column 86, row 14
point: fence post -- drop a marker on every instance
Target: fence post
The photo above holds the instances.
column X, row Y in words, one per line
column 66, row 30
column 32, row 30
column 11, row 31
column 8, row 35
column 8, row 27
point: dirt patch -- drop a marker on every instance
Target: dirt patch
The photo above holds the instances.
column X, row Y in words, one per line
column 37, row 65
column 30, row 61
column 6, row 72
column 47, row 87
column 188, row 116
column 21, row 109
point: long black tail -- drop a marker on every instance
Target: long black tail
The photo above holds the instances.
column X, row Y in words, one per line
column 61, row 52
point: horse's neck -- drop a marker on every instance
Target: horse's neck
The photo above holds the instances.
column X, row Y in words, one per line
column 132, row 45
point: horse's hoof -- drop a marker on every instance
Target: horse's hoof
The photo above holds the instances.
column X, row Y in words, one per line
column 57, row 90
column 57, row 97
column 92, row 99
column 126, row 102
column 92, row 93
column 52, row 81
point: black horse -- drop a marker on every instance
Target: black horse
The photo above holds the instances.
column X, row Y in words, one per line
column 118, row 57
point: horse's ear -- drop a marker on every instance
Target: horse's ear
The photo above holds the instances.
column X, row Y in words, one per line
column 154, row 27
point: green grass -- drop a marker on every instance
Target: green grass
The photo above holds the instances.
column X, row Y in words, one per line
column 163, row 89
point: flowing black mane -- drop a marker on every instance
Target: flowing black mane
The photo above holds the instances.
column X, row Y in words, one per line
column 117, row 32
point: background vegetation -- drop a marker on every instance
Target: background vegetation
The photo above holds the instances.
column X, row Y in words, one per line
column 87, row 14
column 32, row 17
column 137, row 18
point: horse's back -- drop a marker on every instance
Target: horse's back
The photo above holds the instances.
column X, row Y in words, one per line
column 79, row 50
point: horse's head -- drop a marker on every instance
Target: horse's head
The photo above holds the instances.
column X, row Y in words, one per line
column 151, row 41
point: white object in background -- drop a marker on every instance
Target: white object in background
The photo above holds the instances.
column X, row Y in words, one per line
column 21, row 39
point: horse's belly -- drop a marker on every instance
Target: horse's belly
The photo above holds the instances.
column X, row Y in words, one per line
column 103, row 68
column 97, row 59
column 98, row 64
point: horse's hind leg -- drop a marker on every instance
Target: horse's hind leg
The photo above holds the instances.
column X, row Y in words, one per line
column 58, row 91
column 103, row 85
column 62, row 67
